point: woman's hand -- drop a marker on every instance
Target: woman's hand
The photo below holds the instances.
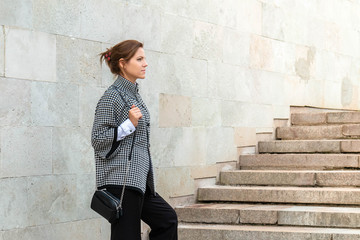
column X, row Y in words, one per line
column 135, row 115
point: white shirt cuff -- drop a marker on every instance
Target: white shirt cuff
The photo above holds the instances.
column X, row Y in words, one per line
column 125, row 129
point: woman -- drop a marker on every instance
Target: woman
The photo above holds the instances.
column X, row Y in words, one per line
column 121, row 116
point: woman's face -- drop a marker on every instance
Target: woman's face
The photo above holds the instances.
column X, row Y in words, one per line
column 135, row 67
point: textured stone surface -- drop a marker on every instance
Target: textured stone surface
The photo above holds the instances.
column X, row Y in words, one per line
column 281, row 195
column 343, row 117
column 2, row 50
column 228, row 232
column 88, row 229
column 240, row 54
column 310, row 132
column 350, row 146
column 54, row 104
column 52, row 199
column 88, row 98
column 30, row 55
column 174, row 111
column 264, row 177
column 96, row 25
column 177, row 39
column 15, row 100
column 207, row 43
column 302, row 146
column 260, row 214
column 60, row 17
column 13, row 203
column 320, row 216
column 16, row 13
column 72, row 152
column 298, row 161
column 210, row 213
column 35, row 157
column 338, row 178
column 205, row 112
column 352, row 130
column 77, row 61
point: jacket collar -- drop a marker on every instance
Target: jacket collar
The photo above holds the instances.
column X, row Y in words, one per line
column 126, row 85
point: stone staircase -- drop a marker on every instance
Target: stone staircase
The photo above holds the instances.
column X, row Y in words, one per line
column 305, row 185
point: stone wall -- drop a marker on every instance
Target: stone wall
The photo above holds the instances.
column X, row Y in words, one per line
column 219, row 72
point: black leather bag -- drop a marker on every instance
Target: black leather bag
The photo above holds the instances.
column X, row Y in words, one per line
column 107, row 205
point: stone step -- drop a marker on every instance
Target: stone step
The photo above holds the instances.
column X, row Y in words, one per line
column 319, row 132
column 313, row 216
column 291, row 178
column 298, row 161
column 325, row 118
column 248, row 232
column 310, row 146
column 267, row 194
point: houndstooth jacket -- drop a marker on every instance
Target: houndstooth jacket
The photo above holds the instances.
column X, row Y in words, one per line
column 111, row 156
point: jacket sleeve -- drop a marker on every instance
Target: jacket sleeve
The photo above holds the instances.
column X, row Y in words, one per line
column 104, row 131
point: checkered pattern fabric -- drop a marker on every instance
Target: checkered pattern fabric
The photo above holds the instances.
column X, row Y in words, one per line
column 111, row 156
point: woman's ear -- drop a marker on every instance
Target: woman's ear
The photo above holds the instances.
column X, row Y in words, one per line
column 122, row 63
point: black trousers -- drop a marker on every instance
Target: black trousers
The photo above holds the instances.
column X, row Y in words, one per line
column 153, row 210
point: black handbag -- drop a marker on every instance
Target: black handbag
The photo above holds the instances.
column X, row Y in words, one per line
column 105, row 203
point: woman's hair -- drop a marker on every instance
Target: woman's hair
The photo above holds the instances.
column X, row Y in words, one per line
column 125, row 50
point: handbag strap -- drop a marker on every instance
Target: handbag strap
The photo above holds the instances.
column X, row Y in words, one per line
column 129, row 158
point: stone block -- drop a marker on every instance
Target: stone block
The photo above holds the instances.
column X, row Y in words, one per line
column 303, row 146
column 52, row 199
column 190, row 149
column 16, row 13
column 240, row 114
column 210, row 213
column 30, row 55
column 77, row 61
column 343, row 117
column 72, row 151
column 205, row 112
column 260, row 214
column 350, row 146
column 339, row 217
column 229, row 82
column 55, row 104
column 177, row 40
column 174, row 111
column 235, row 54
column 309, row 132
column 220, row 146
column 174, row 182
column 271, row 55
column 98, row 26
column 229, row 232
column 204, row 171
column 298, row 161
column 59, row 17
column 85, row 188
column 308, row 119
column 338, row 178
column 2, row 51
column 273, row 21
column 245, row 136
column 13, row 203
column 207, row 42
column 351, row 130
column 15, row 102
column 139, row 22
column 88, row 229
column 325, row 195
column 26, row 151
column 267, row 177
column 89, row 97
